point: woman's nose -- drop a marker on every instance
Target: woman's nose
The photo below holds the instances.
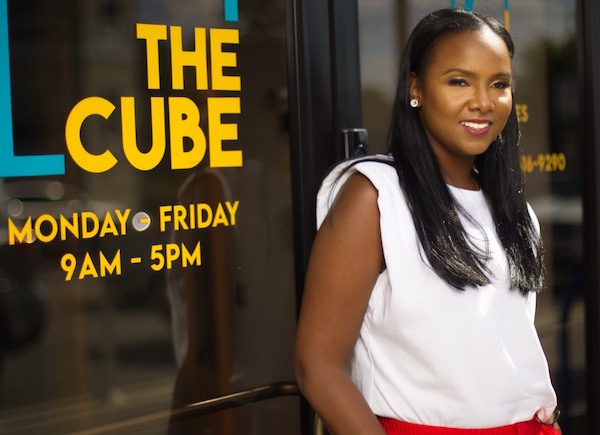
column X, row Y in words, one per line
column 481, row 100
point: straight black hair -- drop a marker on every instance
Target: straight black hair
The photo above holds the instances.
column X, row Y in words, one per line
column 434, row 209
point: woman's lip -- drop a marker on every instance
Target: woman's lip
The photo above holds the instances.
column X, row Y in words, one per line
column 477, row 128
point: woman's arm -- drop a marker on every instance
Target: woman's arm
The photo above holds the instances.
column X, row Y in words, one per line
column 345, row 262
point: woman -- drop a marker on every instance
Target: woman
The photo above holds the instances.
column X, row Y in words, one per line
column 418, row 311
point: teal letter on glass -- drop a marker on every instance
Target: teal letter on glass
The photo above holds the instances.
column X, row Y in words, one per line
column 231, row 10
column 11, row 165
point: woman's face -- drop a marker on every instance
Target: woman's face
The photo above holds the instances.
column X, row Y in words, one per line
column 465, row 95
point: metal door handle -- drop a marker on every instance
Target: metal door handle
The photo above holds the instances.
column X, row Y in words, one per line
column 355, row 142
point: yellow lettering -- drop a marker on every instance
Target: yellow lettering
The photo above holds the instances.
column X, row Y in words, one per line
column 165, row 216
column 220, row 217
column 151, row 159
column 45, row 238
column 192, row 218
column 106, row 266
column 24, row 235
column 68, row 262
column 88, row 268
column 196, row 58
column 179, row 214
column 172, row 252
column 220, row 59
column 65, row 225
column 201, row 210
column 232, row 209
column 88, row 232
column 108, row 226
column 122, row 218
column 184, row 120
column 219, row 132
column 83, row 110
column 152, row 33
column 193, row 258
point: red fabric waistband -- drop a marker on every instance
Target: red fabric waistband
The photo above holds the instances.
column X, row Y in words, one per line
column 532, row 427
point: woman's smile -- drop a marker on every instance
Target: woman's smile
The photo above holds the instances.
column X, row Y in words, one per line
column 476, row 127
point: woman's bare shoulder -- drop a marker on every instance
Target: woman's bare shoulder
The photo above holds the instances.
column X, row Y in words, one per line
column 357, row 198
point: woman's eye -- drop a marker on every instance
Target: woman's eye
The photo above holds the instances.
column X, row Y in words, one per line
column 457, row 82
column 501, row 85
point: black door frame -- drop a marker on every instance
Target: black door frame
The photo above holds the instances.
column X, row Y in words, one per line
column 324, row 98
column 588, row 20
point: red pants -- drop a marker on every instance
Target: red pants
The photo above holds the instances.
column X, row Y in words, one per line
column 531, row 427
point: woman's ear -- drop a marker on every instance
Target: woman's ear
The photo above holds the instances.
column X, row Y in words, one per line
column 415, row 90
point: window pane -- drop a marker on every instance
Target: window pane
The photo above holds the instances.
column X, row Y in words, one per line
column 160, row 270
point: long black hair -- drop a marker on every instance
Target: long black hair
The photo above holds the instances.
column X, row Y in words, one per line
column 435, row 211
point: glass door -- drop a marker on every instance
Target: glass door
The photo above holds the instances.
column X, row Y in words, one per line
column 147, row 242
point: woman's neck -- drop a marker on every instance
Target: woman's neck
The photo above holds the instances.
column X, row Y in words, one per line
column 464, row 179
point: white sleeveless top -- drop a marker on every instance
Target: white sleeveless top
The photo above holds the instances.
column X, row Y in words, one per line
column 430, row 354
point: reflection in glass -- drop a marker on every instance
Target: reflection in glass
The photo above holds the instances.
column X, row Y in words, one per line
column 100, row 352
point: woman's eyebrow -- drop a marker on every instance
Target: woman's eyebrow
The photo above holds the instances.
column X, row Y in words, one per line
column 467, row 72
